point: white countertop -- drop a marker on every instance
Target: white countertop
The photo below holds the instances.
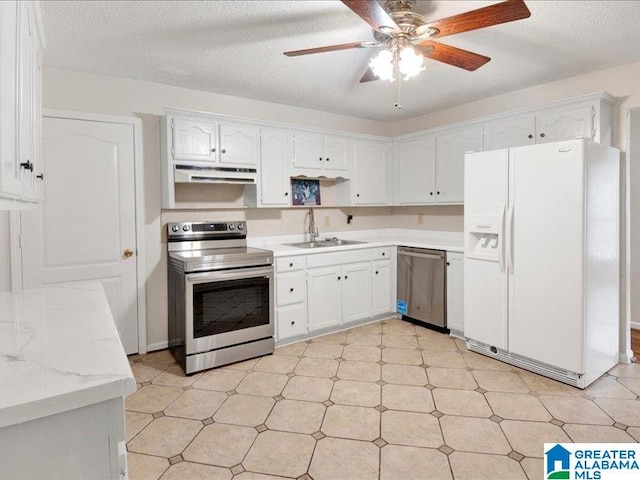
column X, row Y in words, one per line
column 449, row 241
column 59, row 350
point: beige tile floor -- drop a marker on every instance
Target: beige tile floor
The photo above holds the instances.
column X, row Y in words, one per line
column 388, row 401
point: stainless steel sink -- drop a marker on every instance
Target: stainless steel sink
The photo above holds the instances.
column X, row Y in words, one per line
column 332, row 242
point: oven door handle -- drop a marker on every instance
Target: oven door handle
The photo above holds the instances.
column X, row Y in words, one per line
column 222, row 275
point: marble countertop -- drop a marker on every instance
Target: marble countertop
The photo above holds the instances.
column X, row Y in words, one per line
column 449, row 241
column 59, row 350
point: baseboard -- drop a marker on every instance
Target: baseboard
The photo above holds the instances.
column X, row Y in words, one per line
column 157, row 346
column 626, row 357
column 635, row 325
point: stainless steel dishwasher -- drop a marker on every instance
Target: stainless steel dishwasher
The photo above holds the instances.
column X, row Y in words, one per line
column 422, row 286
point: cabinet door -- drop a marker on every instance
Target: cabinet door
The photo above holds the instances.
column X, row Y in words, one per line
column 194, row 140
column 238, row 145
column 382, row 288
column 356, row 292
column 415, row 172
column 455, row 292
column 324, row 297
column 450, row 151
column 338, row 152
column 370, row 172
column 565, row 124
column 510, row 132
column 307, row 150
column 9, row 161
column 25, row 114
column 274, row 178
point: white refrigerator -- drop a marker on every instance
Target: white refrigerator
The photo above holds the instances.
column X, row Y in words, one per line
column 541, row 273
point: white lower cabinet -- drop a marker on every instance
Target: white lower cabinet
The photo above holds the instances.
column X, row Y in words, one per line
column 291, row 297
column 455, row 292
column 356, row 292
column 383, row 287
column 320, row 291
column 324, row 290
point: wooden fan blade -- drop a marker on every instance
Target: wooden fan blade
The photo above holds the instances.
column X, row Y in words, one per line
column 368, row 76
column 330, row 48
column 454, row 56
column 504, row 12
column 372, row 13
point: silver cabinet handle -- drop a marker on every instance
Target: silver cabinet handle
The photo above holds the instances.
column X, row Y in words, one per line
column 422, row 255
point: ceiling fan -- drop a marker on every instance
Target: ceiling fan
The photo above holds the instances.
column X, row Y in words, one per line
column 409, row 37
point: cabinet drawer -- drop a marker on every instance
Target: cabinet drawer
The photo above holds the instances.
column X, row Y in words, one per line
column 290, row 264
column 382, row 253
column 290, row 289
column 338, row 258
column 292, row 321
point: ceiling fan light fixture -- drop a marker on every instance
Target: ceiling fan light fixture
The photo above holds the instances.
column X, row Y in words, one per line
column 382, row 65
column 411, row 63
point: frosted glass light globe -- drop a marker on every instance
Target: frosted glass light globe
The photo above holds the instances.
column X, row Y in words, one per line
column 382, row 65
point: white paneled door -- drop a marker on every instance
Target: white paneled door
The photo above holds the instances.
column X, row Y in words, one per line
column 86, row 228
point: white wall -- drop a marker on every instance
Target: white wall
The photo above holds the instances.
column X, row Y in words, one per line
column 633, row 226
column 621, row 82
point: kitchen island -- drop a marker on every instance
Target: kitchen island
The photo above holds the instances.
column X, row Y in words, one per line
column 63, row 378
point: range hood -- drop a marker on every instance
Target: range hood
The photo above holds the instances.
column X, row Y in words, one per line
column 192, row 174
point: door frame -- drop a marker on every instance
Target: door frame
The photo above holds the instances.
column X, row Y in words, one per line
column 138, row 162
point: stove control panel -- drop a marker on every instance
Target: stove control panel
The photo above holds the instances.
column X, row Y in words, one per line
column 206, row 230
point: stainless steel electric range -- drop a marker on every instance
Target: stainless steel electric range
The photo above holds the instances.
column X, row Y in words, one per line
column 221, row 295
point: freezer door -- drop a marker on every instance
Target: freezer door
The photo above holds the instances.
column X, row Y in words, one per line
column 485, row 278
column 547, row 244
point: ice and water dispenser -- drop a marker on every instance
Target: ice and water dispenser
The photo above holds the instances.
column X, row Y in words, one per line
column 484, row 237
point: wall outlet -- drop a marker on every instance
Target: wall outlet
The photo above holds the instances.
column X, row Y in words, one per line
column 420, row 219
column 327, row 221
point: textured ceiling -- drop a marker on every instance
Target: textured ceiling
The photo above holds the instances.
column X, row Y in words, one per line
column 235, row 48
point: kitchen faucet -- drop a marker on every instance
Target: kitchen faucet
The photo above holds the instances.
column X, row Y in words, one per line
column 313, row 231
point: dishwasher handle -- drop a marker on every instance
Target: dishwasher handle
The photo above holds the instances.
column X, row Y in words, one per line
column 431, row 256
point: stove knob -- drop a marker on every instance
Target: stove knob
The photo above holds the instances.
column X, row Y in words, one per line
column 241, row 226
column 185, row 228
column 232, row 226
column 175, row 228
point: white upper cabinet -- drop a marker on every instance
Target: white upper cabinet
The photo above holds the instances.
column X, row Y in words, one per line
column 371, row 165
column 320, row 155
column 565, row 124
column 307, row 151
column 274, row 158
column 510, row 132
column 338, row 151
column 415, row 171
column 194, row 140
column 198, row 140
column 450, row 150
column 10, row 167
column 21, row 43
column 588, row 117
column 238, row 145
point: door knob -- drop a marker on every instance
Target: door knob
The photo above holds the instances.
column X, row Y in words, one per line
column 128, row 253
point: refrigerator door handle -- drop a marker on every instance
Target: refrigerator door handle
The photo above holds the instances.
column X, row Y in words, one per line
column 509, row 237
column 501, row 238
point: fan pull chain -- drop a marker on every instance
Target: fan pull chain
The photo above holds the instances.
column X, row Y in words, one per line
column 396, row 65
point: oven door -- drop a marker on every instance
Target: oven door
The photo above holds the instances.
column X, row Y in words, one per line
column 228, row 307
